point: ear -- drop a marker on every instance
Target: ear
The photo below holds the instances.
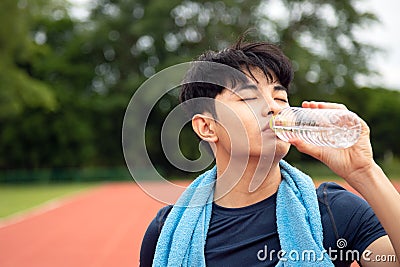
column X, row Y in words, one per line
column 205, row 127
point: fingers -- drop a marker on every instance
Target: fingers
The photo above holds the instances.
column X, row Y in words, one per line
column 303, row 147
column 365, row 128
column 315, row 104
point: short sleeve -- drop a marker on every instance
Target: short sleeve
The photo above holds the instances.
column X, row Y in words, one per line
column 349, row 217
column 150, row 238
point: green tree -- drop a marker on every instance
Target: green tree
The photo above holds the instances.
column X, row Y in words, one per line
column 319, row 36
column 52, row 127
column 382, row 112
column 65, row 83
column 18, row 89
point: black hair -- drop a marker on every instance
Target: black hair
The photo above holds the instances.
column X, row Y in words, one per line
column 241, row 56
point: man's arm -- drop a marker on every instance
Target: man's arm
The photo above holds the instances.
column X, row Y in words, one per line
column 380, row 253
column 385, row 201
column 357, row 167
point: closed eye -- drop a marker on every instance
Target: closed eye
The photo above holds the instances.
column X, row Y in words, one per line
column 282, row 100
column 248, row 98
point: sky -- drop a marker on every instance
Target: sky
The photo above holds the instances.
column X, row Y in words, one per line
column 384, row 35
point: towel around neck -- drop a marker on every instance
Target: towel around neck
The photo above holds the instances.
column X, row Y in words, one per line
column 183, row 236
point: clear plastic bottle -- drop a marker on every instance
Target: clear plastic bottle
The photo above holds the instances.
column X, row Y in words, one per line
column 337, row 128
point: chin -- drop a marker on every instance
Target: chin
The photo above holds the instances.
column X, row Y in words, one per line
column 282, row 148
column 273, row 153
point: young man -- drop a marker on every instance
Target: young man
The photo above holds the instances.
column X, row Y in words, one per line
column 262, row 213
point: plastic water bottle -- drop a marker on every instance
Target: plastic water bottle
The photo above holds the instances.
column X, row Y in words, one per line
column 337, row 128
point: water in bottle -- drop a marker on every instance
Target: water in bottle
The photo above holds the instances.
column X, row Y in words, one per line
column 337, row 128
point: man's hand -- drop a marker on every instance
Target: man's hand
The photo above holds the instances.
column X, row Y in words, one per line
column 348, row 163
column 356, row 165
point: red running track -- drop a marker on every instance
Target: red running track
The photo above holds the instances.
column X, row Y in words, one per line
column 101, row 227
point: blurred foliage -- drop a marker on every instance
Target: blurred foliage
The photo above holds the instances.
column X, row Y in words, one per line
column 65, row 83
column 18, row 88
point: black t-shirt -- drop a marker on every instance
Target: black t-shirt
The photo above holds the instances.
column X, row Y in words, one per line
column 248, row 236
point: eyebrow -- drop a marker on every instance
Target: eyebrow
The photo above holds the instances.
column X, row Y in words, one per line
column 254, row 87
column 280, row 88
column 244, row 87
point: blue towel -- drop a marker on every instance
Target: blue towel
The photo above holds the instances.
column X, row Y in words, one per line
column 183, row 236
column 299, row 220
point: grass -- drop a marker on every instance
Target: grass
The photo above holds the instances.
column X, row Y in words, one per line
column 17, row 198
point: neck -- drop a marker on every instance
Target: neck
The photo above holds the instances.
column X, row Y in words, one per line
column 240, row 184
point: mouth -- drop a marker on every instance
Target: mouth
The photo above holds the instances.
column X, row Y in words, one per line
column 267, row 131
column 267, row 126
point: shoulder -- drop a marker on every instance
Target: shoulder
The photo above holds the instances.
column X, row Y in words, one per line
column 158, row 221
column 340, row 203
column 337, row 198
column 330, row 191
column 150, row 238
column 161, row 216
column 346, row 215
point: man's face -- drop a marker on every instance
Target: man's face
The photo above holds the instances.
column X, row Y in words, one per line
column 243, row 118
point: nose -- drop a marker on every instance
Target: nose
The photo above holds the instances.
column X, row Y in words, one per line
column 271, row 108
